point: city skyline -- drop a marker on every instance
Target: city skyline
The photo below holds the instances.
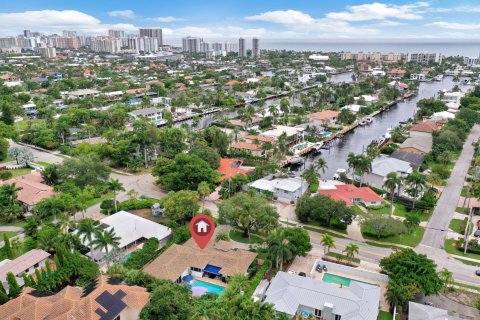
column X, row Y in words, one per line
column 267, row 20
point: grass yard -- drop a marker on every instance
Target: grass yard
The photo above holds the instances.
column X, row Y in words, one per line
column 44, row 164
column 321, row 231
column 452, row 249
column 463, row 210
column 95, row 201
column 333, row 228
column 23, row 125
column 382, row 245
column 384, row 315
column 411, row 239
column 8, row 233
column 457, row 225
column 237, row 236
column 20, row 172
column 15, row 223
column 464, row 191
column 401, row 211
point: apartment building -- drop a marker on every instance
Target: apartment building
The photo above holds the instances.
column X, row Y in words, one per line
column 423, row 58
column 152, row 33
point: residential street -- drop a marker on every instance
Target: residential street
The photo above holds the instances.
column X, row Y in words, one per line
column 437, row 227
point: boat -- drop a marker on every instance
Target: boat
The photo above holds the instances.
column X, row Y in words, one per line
column 362, row 123
column 438, row 78
column 339, row 174
column 317, row 146
column 295, row 160
column 403, row 122
column 388, row 134
column 368, row 120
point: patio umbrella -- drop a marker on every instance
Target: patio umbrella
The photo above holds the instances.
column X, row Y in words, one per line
column 187, row 278
column 198, row 291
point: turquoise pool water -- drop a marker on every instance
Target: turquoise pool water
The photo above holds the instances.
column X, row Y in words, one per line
column 125, row 257
column 331, row 278
column 300, row 146
column 327, row 134
column 212, row 288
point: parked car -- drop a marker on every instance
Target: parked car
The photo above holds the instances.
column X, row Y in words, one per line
column 477, row 233
column 477, row 272
column 302, row 274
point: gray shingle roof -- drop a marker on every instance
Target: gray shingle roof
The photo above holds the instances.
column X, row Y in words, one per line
column 288, row 292
column 384, row 165
column 417, row 311
column 414, row 159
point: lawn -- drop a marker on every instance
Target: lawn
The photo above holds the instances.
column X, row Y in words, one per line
column 384, row 315
column 43, row 163
column 401, row 211
column 332, row 227
column 237, row 236
column 450, row 248
column 342, row 257
column 95, row 201
column 20, row 172
column 8, row 233
column 389, row 246
column 463, row 210
column 321, row 231
column 411, row 239
column 464, row 191
column 16, row 223
column 457, row 225
column 23, row 125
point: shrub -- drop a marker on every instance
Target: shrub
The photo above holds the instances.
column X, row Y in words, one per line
column 143, row 256
column 134, row 204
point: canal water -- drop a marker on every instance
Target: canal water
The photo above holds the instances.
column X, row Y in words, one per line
column 357, row 140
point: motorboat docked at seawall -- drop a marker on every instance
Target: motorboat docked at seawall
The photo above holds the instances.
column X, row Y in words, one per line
column 339, row 173
column 438, row 78
column 388, row 134
column 368, row 120
column 362, row 123
column 296, row 160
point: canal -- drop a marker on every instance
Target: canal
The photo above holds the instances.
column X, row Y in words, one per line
column 357, row 140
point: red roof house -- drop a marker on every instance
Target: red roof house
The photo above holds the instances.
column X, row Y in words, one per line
column 231, row 167
column 351, row 195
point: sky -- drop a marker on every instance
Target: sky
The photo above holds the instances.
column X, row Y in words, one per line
column 266, row 19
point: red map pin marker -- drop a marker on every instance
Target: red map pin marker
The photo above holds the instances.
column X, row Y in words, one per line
column 202, row 228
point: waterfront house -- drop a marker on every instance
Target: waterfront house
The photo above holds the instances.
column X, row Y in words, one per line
column 452, row 99
column 217, row 261
column 382, row 166
column 250, row 148
column 324, row 118
column 369, row 100
column 282, row 187
column 104, row 299
column 417, row 144
column 155, row 115
column 231, row 167
column 132, row 231
column 292, row 134
column 415, row 159
column 25, row 264
column 424, row 128
column 296, row 295
column 397, row 73
column 351, row 195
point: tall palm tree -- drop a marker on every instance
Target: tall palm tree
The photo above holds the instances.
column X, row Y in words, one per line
column 115, row 186
column 416, row 184
column 87, row 228
column 328, row 242
column 353, row 163
column 447, row 278
column 393, row 182
column 364, row 166
column 320, row 165
column 351, row 250
column 204, row 191
column 105, row 239
column 279, row 247
column 272, row 109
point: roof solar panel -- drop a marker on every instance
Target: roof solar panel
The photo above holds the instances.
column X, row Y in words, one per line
column 112, row 303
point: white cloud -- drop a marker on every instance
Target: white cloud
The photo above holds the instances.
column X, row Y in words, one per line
column 288, row 17
column 54, row 21
column 167, row 19
column 380, row 11
column 389, row 23
column 466, row 9
column 122, row 14
column 454, row 25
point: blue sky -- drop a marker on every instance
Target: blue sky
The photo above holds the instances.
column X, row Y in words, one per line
column 268, row 19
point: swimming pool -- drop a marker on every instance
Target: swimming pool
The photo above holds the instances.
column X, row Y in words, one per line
column 327, row 134
column 332, row 278
column 212, row 288
column 125, row 258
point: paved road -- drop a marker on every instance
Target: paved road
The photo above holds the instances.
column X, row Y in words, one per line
column 437, row 226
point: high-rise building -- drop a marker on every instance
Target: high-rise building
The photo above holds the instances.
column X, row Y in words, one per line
column 152, row 33
column 67, row 42
column 27, row 33
column 242, row 51
column 116, row 33
column 423, row 58
column 47, row 52
column 231, row 47
column 255, row 48
column 105, row 44
column 8, row 42
column 191, row 44
column 144, row 44
column 70, row 34
column 217, row 46
column 204, row 47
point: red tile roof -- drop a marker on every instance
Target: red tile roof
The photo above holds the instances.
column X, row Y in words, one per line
column 425, row 126
column 32, row 187
column 246, row 146
column 348, row 192
column 232, row 83
column 228, row 168
column 397, row 71
column 324, row 115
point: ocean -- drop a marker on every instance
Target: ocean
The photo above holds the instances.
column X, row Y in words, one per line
column 447, row 48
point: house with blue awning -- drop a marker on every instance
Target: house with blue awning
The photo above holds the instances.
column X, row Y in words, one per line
column 218, row 260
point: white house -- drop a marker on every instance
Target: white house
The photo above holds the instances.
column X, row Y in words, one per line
column 284, row 188
column 30, row 109
column 25, row 264
column 132, row 230
column 452, row 99
column 369, row 100
column 296, row 295
column 382, row 166
column 153, row 114
column 318, row 57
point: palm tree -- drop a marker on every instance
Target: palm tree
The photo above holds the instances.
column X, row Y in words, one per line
column 204, row 191
column 105, row 239
column 320, row 165
column 350, row 250
column 353, row 163
column 364, row 166
column 447, row 278
column 416, row 184
column 115, row 185
column 272, row 109
column 328, row 242
column 87, row 228
column 393, row 182
column 278, row 246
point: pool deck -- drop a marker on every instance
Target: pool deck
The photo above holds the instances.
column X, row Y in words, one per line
column 212, row 281
column 383, row 286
